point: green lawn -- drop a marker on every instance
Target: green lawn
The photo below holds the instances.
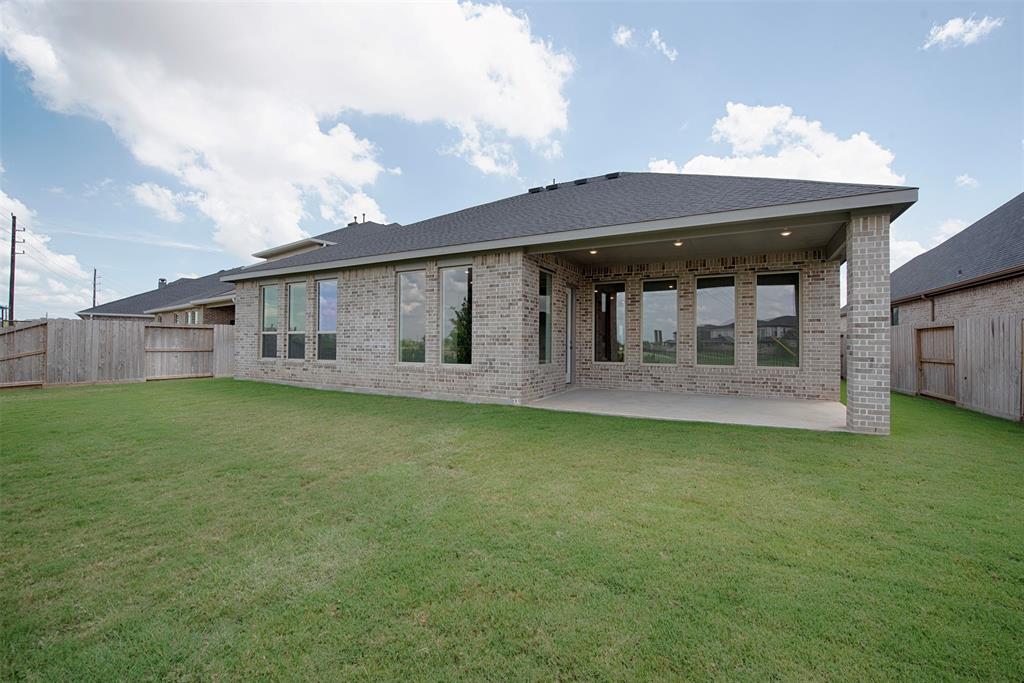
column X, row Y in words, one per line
column 219, row 529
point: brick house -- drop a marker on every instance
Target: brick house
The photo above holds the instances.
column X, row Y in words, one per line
column 978, row 271
column 609, row 282
column 205, row 300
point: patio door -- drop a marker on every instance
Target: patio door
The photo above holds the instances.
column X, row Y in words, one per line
column 570, row 333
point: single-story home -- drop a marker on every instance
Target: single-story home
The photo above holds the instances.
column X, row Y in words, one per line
column 205, row 300
column 979, row 270
column 601, row 282
column 957, row 315
column 185, row 301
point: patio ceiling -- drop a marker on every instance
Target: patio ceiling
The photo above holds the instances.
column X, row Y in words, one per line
column 733, row 239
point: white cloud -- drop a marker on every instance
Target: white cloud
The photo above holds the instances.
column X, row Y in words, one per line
column 948, row 228
column 623, row 36
column 150, row 240
column 961, row 32
column 232, row 101
column 661, row 46
column 162, row 200
column 774, row 142
column 902, row 250
column 395, row 170
column 964, row 180
column 47, row 282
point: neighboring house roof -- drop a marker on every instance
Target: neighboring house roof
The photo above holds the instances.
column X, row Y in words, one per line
column 174, row 295
column 615, row 199
column 992, row 246
column 781, row 321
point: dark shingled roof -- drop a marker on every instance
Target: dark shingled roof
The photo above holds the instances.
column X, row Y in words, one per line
column 180, row 291
column 993, row 244
column 617, row 198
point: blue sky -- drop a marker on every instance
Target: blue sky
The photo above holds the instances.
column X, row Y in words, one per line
column 153, row 142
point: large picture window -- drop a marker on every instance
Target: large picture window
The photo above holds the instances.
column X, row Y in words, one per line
column 327, row 319
column 610, row 322
column 297, row 320
column 412, row 316
column 544, row 298
column 778, row 319
column 716, row 320
column 457, row 315
column 268, row 321
column 660, row 316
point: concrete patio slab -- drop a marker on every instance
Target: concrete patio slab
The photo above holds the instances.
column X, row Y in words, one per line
column 827, row 416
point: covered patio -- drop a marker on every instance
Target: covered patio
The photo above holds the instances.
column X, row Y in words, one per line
column 826, row 416
column 729, row 317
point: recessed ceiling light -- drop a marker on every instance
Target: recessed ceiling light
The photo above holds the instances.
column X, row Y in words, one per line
column 678, row 243
column 593, row 251
column 786, row 233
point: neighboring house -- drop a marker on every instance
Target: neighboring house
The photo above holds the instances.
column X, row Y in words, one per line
column 957, row 313
column 186, row 301
column 206, row 300
column 978, row 271
column 520, row 298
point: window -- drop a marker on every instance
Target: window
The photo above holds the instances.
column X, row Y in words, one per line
column 457, row 315
column 544, row 316
column 268, row 322
column 778, row 320
column 895, row 316
column 716, row 320
column 327, row 319
column 297, row 320
column 175, row 318
column 412, row 316
column 660, row 316
column 610, row 322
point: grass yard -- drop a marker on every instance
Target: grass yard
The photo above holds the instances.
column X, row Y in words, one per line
column 211, row 529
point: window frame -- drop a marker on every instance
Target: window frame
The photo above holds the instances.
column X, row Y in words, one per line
column 735, row 327
column 288, row 333
column 549, row 328
column 398, row 315
column 442, row 309
column 625, row 324
column 799, row 320
column 675, row 288
column 263, row 318
column 894, row 316
column 316, row 289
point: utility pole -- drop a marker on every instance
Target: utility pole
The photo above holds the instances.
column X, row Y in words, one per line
column 14, row 252
column 94, row 288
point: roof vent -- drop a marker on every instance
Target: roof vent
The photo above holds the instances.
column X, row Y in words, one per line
column 580, row 181
column 552, row 186
column 535, row 190
column 161, row 283
column 611, row 176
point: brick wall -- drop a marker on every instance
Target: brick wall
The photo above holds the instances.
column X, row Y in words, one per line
column 368, row 332
column 506, row 364
column 220, row 315
column 868, row 333
column 817, row 376
column 1005, row 296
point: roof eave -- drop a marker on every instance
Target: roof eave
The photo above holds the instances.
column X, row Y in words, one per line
column 88, row 314
column 989, row 278
column 285, row 248
column 896, row 202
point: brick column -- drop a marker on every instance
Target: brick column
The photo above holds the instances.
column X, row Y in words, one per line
column 867, row 293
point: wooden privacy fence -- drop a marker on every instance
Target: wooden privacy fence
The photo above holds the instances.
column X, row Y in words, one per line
column 102, row 351
column 974, row 362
